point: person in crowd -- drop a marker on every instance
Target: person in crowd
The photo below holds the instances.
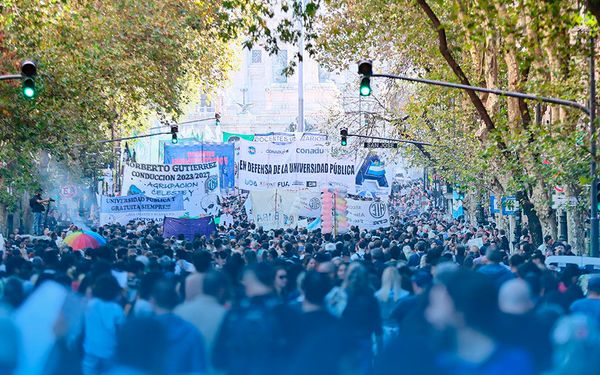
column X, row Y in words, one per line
column 206, row 311
column 494, row 268
column 256, row 335
column 281, row 282
column 185, row 346
column 141, row 348
column 318, row 346
column 103, row 318
column 464, row 307
column 142, row 306
column 521, row 326
column 389, row 294
column 590, row 305
column 38, row 205
column 361, row 318
column 576, row 339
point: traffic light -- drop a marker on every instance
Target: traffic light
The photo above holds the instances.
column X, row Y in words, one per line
column 174, row 130
column 344, row 136
column 365, row 86
column 598, row 194
column 217, row 119
column 28, row 73
column 365, row 67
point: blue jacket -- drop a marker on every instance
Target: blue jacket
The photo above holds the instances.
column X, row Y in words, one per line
column 185, row 346
column 497, row 272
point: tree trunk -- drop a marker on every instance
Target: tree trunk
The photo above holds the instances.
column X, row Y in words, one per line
column 533, row 221
column 547, row 215
column 576, row 229
column 3, row 220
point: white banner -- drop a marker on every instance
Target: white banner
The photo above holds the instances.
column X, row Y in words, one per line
column 276, row 137
column 368, row 214
column 273, row 209
column 307, row 204
column 139, row 207
column 198, row 183
column 300, row 165
column 125, row 217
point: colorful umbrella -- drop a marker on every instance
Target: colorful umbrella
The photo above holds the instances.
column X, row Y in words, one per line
column 83, row 240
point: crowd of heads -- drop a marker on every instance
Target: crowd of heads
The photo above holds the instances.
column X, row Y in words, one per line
column 429, row 294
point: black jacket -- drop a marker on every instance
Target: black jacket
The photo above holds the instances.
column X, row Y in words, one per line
column 255, row 337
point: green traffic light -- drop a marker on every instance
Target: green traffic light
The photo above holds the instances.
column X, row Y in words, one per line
column 28, row 88
column 29, row 92
column 344, row 142
column 365, row 87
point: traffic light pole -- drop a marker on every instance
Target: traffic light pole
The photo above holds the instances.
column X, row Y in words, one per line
column 594, row 235
column 365, row 66
column 514, row 94
column 10, row 77
column 391, row 139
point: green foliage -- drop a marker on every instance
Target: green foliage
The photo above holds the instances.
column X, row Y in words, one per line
column 100, row 64
column 532, row 46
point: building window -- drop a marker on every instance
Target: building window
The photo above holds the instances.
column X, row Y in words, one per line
column 324, row 75
column 279, row 64
column 205, row 104
column 256, row 56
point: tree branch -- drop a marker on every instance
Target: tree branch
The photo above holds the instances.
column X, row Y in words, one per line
column 445, row 51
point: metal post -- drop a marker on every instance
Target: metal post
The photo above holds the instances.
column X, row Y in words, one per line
column 564, row 233
column 594, row 190
column 518, row 226
column 538, row 114
column 10, row 77
column 301, row 72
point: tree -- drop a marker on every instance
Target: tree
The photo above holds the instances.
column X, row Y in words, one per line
column 102, row 65
column 521, row 45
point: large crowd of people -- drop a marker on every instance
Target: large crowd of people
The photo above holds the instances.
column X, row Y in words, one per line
column 428, row 295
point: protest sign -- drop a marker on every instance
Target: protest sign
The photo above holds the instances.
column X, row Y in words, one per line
column 299, row 165
column 273, row 209
column 139, row 207
column 204, row 153
column 368, row 214
column 198, row 183
column 189, row 228
column 307, row 204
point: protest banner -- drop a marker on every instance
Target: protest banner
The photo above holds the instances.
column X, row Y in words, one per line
column 372, row 177
column 139, row 207
column 189, row 228
column 275, row 137
column 307, row 204
column 196, row 153
column 299, row 165
column 234, row 137
column 319, row 137
column 198, row 183
column 273, row 209
column 368, row 214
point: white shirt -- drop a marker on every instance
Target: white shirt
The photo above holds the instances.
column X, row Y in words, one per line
column 226, row 220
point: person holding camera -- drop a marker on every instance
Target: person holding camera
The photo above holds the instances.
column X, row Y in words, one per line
column 38, row 207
